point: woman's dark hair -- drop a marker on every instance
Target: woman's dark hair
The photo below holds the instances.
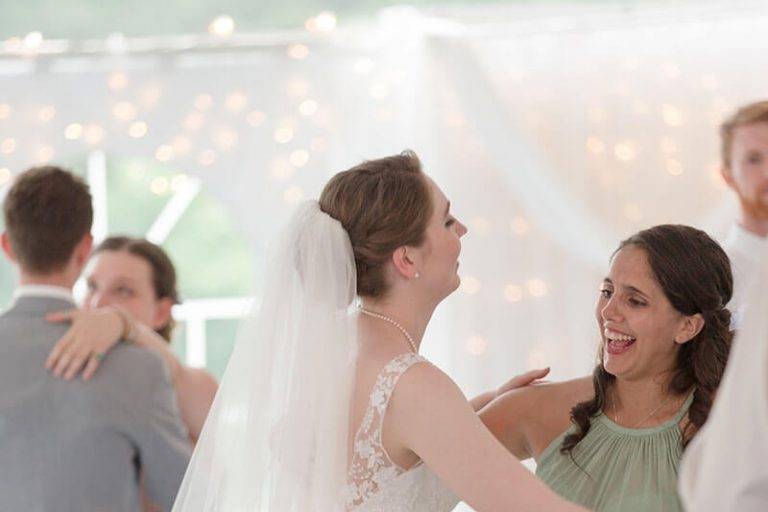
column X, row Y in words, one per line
column 163, row 271
column 695, row 274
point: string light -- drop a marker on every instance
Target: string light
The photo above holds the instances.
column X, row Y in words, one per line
column 206, row 157
column 255, row 118
column 5, row 176
column 117, row 81
column 203, row 102
column 625, row 151
column 44, row 154
column 672, row 115
column 124, row 111
column 520, row 226
column 73, row 131
column 33, row 40
column 323, row 22
column 283, row 135
column 164, row 153
column 225, row 138
column 476, row 345
column 8, row 146
column 181, row 145
column 674, row 167
column 46, row 114
column 470, row 285
column 178, row 182
column 595, row 145
column 236, row 101
column 536, row 287
column 93, row 134
column 513, row 293
column 298, row 51
column 137, row 129
column 299, row 158
column 5, row 110
column 222, row 26
column 194, row 121
column 159, row 186
column 308, row 107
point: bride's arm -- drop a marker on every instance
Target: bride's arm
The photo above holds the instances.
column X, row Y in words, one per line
column 507, row 418
column 431, row 417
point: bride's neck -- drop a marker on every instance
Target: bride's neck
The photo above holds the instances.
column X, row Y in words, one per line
column 413, row 317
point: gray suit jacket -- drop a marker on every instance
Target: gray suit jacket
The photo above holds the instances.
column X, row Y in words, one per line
column 79, row 446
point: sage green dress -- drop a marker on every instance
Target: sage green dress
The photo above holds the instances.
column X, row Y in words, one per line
column 622, row 469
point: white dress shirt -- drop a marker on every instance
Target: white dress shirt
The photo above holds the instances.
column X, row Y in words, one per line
column 747, row 253
column 725, row 468
column 43, row 290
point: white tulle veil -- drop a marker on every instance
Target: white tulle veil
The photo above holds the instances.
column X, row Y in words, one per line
column 276, row 436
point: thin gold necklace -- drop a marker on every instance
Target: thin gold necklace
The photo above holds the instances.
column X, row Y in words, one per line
column 654, row 411
column 393, row 322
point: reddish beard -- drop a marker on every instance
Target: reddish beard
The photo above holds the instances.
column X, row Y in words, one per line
column 755, row 207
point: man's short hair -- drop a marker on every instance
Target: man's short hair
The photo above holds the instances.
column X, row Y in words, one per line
column 47, row 213
column 751, row 113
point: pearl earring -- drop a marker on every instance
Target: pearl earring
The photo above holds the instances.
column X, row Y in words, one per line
column 416, row 275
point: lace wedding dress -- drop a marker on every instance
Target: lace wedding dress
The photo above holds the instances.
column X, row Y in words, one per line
column 376, row 484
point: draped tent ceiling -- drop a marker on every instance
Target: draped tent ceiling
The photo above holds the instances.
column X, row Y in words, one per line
column 555, row 131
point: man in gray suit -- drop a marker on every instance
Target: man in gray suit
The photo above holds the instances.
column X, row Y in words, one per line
column 73, row 445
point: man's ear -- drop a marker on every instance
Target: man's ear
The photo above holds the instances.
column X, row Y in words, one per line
column 691, row 326
column 83, row 250
column 162, row 313
column 5, row 241
column 727, row 175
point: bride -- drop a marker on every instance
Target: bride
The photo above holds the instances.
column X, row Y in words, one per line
column 326, row 404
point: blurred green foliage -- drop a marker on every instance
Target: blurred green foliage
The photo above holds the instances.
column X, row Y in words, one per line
column 82, row 19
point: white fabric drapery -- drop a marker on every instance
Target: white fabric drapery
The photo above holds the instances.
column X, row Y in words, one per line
column 556, row 132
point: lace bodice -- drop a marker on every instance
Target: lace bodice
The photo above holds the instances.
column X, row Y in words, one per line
column 376, row 483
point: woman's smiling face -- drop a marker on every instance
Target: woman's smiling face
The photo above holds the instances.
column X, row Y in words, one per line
column 641, row 331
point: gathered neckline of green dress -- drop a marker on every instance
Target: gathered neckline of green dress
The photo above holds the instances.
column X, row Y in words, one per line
column 612, row 425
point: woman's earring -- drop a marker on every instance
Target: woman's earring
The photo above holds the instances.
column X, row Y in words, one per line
column 416, row 275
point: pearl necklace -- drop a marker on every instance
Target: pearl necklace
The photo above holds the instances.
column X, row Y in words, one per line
column 393, row 322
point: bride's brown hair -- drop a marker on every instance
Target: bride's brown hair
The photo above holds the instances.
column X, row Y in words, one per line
column 695, row 274
column 383, row 204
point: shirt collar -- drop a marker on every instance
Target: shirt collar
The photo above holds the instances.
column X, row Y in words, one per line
column 750, row 245
column 43, row 290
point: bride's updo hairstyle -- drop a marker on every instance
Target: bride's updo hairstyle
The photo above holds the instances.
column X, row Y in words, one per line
column 383, row 204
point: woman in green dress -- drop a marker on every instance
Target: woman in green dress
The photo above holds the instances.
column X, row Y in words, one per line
column 613, row 441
